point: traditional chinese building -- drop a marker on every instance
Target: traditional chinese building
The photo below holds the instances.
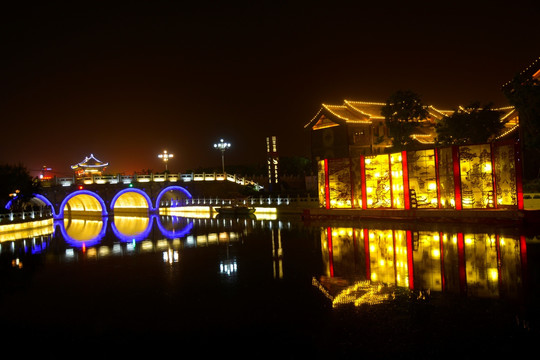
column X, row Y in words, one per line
column 357, row 128
column 89, row 166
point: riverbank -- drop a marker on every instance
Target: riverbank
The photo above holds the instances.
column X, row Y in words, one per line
column 495, row 216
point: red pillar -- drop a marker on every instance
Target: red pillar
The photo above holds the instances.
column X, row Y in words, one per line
column 410, row 267
column 330, row 251
column 326, row 184
column 461, row 264
column 493, row 180
column 519, row 176
column 457, row 177
column 436, row 151
column 405, row 169
column 390, row 178
column 363, row 177
column 368, row 258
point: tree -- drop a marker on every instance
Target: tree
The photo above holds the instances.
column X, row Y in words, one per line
column 524, row 93
column 473, row 124
column 402, row 113
column 16, row 184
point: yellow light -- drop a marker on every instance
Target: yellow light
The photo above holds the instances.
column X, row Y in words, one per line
column 493, row 274
column 435, row 253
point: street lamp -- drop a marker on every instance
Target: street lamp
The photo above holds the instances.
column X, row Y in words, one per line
column 221, row 145
column 165, row 156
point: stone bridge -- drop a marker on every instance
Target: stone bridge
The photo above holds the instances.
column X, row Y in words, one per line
column 105, row 195
column 106, row 199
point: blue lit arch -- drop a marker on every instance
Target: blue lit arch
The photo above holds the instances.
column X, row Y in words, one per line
column 81, row 192
column 169, row 188
column 47, row 202
column 135, row 190
column 174, row 234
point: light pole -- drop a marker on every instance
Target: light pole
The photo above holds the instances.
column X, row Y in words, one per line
column 165, row 156
column 222, row 145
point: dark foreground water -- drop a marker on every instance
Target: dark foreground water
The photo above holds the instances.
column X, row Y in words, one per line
column 248, row 288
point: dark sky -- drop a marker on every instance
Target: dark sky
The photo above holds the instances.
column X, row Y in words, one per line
column 127, row 81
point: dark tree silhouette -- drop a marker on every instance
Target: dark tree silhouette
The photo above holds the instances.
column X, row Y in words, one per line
column 523, row 92
column 403, row 113
column 473, row 124
column 15, row 179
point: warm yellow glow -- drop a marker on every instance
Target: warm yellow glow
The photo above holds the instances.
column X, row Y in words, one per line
column 131, row 225
column 361, row 293
column 83, row 229
column 83, row 202
column 493, row 274
column 11, row 232
column 131, row 200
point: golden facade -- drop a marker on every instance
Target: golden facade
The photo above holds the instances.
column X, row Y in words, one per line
column 481, row 176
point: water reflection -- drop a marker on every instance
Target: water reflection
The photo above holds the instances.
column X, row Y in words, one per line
column 364, row 264
column 358, row 264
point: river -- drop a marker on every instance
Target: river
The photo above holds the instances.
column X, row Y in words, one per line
column 269, row 286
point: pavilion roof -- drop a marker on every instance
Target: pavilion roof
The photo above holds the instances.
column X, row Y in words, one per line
column 364, row 112
column 90, row 162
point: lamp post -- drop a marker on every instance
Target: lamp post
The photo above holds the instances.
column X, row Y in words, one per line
column 222, row 145
column 165, row 156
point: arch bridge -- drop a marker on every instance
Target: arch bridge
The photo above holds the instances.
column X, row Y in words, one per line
column 105, row 200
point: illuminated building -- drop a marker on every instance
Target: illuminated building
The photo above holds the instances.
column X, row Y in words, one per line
column 45, row 173
column 480, row 176
column 89, row 166
column 272, row 160
column 357, row 128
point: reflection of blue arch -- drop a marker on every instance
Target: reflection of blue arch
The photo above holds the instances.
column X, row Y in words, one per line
column 78, row 243
column 81, row 192
column 131, row 238
column 135, row 190
column 169, row 188
column 174, row 234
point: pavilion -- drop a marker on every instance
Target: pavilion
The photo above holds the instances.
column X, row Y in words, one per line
column 89, row 166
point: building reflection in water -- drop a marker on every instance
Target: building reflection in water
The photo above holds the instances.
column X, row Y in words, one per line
column 364, row 265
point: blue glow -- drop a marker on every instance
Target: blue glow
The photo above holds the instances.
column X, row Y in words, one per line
column 173, row 234
column 169, row 188
column 8, row 205
column 47, row 202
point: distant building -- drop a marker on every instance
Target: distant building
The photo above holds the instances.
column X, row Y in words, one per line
column 272, row 160
column 89, row 166
column 357, row 128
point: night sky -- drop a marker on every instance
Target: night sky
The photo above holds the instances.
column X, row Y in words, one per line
column 125, row 82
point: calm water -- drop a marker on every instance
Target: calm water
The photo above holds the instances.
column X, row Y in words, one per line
column 274, row 287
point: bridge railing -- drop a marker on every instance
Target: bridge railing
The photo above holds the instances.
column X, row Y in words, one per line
column 143, row 178
column 262, row 201
column 12, row 217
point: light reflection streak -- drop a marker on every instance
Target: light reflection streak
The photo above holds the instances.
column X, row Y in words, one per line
column 479, row 264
